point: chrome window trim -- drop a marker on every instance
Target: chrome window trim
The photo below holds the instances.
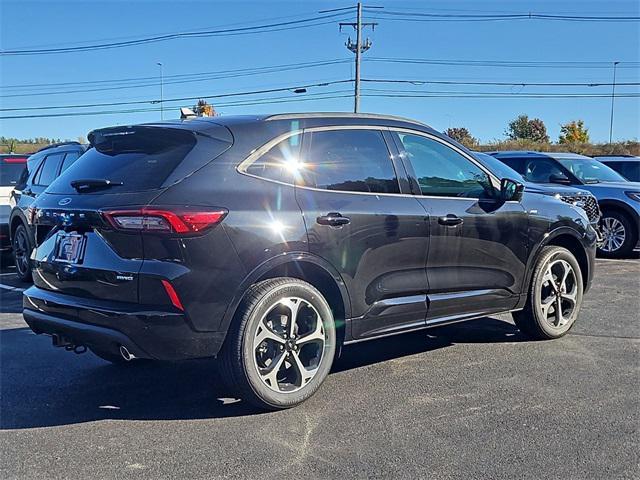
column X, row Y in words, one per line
column 258, row 152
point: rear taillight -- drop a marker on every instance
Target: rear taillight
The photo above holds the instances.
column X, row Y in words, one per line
column 15, row 160
column 165, row 220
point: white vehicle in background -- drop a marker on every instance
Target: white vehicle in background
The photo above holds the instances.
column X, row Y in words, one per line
column 11, row 167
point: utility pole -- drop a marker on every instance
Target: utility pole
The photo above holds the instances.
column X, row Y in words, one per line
column 613, row 97
column 358, row 48
column 161, row 91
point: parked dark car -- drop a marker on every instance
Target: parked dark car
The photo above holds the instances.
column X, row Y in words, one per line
column 43, row 167
column 618, row 198
column 626, row 165
column 272, row 241
column 11, row 167
column 573, row 195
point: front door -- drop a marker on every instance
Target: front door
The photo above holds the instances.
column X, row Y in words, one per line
column 359, row 220
column 478, row 248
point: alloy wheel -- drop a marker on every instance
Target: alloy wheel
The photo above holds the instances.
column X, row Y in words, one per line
column 614, row 234
column 288, row 345
column 558, row 295
column 21, row 251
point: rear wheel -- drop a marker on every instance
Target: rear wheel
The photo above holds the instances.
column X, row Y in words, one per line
column 620, row 235
column 555, row 296
column 281, row 345
column 22, row 248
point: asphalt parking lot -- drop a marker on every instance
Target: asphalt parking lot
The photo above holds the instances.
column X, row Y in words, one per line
column 473, row 400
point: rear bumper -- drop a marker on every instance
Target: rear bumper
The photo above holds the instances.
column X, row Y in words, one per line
column 146, row 333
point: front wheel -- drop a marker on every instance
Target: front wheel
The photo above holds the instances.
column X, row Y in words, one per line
column 620, row 236
column 281, row 344
column 22, row 247
column 555, row 296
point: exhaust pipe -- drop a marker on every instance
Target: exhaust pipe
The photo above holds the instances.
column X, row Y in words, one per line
column 126, row 354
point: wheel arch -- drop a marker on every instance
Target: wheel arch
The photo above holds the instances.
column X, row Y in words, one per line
column 304, row 266
column 17, row 218
column 621, row 207
column 571, row 240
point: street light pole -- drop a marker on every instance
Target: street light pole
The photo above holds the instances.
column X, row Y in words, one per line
column 161, row 90
column 613, row 97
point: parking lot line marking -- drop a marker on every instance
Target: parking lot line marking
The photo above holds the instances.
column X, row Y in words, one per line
column 11, row 289
column 7, row 273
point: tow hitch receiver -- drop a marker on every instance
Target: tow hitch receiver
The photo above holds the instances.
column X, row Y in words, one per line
column 61, row 341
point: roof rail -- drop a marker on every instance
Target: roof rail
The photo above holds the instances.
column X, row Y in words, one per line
column 626, row 155
column 289, row 116
column 59, row 144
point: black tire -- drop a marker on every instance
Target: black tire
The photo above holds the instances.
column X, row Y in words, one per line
column 239, row 357
column 630, row 233
column 22, row 247
column 533, row 320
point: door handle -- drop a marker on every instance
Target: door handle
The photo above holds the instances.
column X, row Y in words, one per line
column 333, row 219
column 450, row 220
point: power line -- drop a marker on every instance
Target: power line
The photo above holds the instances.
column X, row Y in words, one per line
column 152, row 109
column 193, row 78
column 180, row 99
column 504, row 63
column 271, row 27
column 508, row 84
column 458, row 17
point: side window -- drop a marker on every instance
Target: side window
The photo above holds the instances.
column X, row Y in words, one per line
column 443, row 172
column 69, row 159
column 349, row 160
column 279, row 162
column 48, row 169
column 541, row 169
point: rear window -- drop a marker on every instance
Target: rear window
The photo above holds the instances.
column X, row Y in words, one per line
column 10, row 170
column 140, row 158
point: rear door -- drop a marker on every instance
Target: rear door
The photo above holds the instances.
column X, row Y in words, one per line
column 80, row 252
column 478, row 248
column 359, row 219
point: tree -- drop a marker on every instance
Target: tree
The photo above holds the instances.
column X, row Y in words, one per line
column 461, row 135
column 573, row 132
column 524, row 129
column 203, row 109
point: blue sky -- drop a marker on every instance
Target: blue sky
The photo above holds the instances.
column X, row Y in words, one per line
column 68, row 23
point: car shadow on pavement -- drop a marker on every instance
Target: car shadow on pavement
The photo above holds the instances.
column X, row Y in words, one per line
column 42, row 386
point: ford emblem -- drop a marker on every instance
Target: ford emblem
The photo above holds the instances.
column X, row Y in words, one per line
column 64, row 201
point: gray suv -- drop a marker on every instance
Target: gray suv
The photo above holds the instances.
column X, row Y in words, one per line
column 619, row 199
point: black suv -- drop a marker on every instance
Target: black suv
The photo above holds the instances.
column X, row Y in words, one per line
column 43, row 167
column 271, row 241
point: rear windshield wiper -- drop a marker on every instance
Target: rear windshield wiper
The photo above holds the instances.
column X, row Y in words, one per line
column 86, row 184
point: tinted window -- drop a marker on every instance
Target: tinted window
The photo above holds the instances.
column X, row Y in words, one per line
column 630, row 170
column 69, row 159
column 536, row 170
column 142, row 158
column 443, row 172
column 10, row 170
column 49, row 169
column 349, row 160
column 279, row 162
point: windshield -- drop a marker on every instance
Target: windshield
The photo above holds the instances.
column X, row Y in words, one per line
column 588, row 170
column 497, row 167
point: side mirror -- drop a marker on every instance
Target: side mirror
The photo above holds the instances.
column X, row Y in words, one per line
column 559, row 178
column 510, row 190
